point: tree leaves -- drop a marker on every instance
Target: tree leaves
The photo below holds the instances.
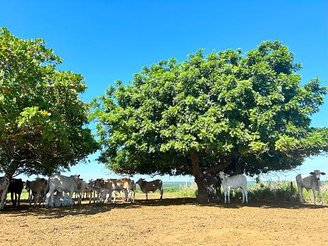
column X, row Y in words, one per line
column 249, row 111
column 41, row 117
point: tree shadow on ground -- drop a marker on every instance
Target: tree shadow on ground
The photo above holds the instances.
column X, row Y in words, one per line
column 76, row 210
column 266, row 204
column 235, row 203
column 91, row 209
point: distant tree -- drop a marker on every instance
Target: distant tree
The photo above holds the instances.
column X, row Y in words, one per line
column 42, row 118
column 242, row 113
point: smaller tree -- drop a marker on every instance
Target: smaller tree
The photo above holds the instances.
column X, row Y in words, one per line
column 42, row 119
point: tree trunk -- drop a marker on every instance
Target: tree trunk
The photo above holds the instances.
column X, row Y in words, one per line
column 202, row 196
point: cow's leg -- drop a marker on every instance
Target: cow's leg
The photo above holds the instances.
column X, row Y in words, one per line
column 71, row 196
column 228, row 195
column 246, row 196
column 126, row 195
column 300, row 191
column 314, row 198
column 50, row 198
column 36, row 197
column 29, row 198
column 80, row 198
column 225, row 195
column 97, row 197
column 41, row 197
column 112, row 196
column 3, row 197
column 12, row 198
column 147, row 196
column 89, row 197
column 18, row 199
column 161, row 191
column 319, row 196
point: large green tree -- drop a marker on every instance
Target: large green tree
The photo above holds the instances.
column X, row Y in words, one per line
column 42, row 119
column 242, row 113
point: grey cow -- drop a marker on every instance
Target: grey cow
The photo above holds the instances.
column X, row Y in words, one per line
column 154, row 185
column 4, row 184
column 312, row 182
column 37, row 189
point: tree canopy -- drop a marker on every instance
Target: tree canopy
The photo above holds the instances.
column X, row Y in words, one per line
column 42, row 119
column 226, row 110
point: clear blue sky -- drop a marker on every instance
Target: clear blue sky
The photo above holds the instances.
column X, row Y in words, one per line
column 107, row 41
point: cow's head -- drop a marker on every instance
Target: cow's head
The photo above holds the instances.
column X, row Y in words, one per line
column 140, row 181
column 221, row 175
column 76, row 176
column 316, row 174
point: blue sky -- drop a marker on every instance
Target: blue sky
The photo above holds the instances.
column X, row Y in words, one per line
column 107, row 41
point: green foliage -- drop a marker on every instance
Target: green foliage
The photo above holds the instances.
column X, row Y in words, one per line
column 187, row 190
column 240, row 112
column 272, row 191
column 281, row 191
column 41, row 117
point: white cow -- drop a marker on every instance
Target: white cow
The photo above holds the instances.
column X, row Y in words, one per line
column 62, row 184
column 234, row 182
column 63, row 201
column 4, row 184
column 312, row 182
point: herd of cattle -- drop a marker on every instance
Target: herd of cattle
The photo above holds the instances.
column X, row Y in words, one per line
column 58, row 190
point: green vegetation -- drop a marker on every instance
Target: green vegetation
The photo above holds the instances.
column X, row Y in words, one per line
column 272, row 191
column 227, row 110
column 42, row 119
column 282, row 191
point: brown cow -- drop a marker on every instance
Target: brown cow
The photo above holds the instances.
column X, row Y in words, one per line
column 151, row 186
column 108, row 186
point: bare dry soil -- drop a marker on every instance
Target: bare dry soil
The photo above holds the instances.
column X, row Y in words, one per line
column 172, row 221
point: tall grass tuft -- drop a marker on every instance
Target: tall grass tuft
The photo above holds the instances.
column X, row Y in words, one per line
column 187, row 190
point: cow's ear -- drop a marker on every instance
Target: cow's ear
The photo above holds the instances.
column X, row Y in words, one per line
column 323, row 173
column 312, row 173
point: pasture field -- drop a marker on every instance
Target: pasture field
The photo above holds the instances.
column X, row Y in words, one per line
column 172, row 221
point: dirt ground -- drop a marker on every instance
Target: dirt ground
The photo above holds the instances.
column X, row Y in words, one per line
column 172, row 221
